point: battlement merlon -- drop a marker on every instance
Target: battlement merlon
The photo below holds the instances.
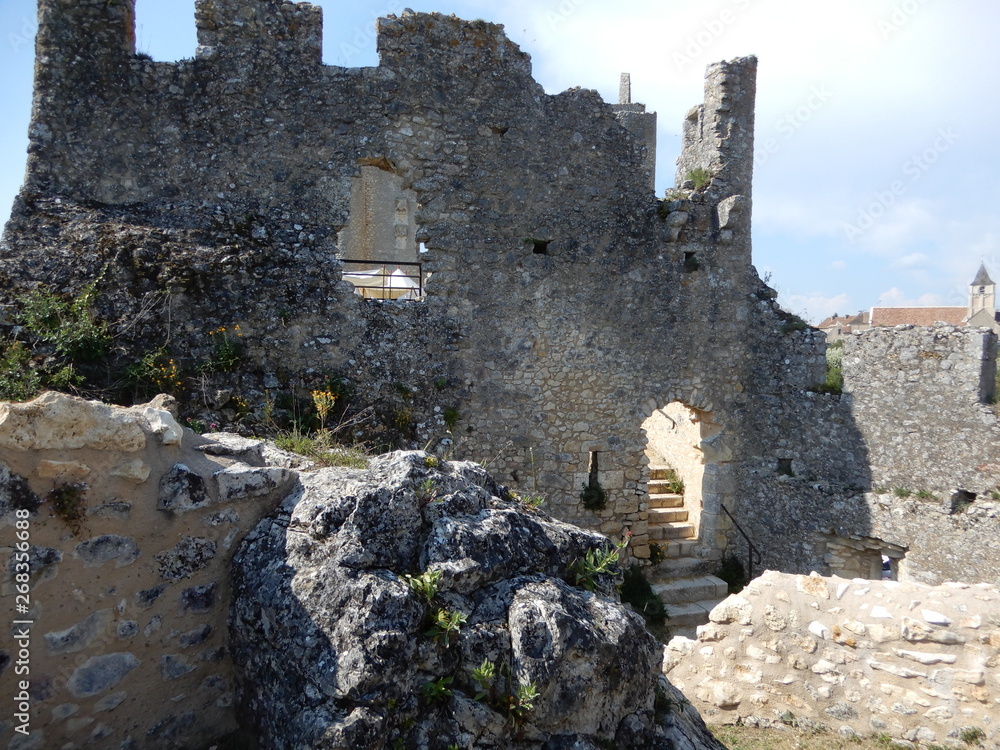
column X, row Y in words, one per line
column 293, row 30
column 83, row 36
column 640, row 123
column 719, row 134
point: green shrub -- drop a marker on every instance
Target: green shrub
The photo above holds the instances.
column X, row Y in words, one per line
column 593, row 496
column 700, row 176
column 69, row 326
column 635, row 590
column 731, row 571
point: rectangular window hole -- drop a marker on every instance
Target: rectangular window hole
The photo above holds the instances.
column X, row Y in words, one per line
column 785, row 467
column 690, row 262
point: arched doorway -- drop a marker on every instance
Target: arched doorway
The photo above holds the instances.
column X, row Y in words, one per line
column 688, row 457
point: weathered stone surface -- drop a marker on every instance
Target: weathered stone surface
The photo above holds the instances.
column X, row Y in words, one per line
column 56, row 421
column 866, row 666
column 100, row 673
column 105, row 548
column 134, row 470
column 62, row 471
column 199, row 599
column 173, row 666
column 323, row 615
column 81, row 635
column 242, row 482
column 182, row 489
column 190, row 554
column 15, row 494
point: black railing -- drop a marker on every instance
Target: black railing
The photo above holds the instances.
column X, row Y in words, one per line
column 751, row 549
column 378, row 279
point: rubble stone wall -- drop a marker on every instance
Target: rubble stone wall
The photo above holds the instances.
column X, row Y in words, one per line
column 918, row 663
column 126, row 593
column 921, row 397
column 566, row 303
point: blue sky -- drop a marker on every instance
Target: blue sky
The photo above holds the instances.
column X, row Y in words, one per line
column 877, row 141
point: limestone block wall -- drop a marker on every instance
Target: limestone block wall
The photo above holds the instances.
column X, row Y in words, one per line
column 121, row 633
column 920, row 397
column 916, row 662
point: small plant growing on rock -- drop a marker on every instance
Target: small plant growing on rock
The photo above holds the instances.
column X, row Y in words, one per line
column 531, row 501
column 674, row 484
column 700, row 177
column 451, row 415
column 901, row 492
column 926, row 495
column 494, row 688
column 972, row 736
column 636, row 591
column 227, row 350
column 447, row 623
column 426, row 490
column 596, row 562
column 69, row 504
column 437, row 690
column 657, row 553
column 425, row 585
column 664, row 704
column 432, row 462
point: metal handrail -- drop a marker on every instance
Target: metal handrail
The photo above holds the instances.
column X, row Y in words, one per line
column 751, row 548
column 379, row 269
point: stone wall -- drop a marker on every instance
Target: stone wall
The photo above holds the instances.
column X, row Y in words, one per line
column 903, row 464
column 921, row 398
column 915, row 662
column 565, row 305
column 124, row 636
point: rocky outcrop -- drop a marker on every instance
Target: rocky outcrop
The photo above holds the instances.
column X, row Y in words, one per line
column 417, row 604
column 916, row 662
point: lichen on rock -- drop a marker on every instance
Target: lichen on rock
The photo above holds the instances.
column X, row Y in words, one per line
column 334, row 647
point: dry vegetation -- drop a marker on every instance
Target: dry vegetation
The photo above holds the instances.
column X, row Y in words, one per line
column 790, row 738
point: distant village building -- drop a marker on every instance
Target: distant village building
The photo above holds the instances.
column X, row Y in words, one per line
column 838, row 326
column 980, row 312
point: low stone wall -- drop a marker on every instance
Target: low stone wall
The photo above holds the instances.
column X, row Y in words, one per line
column 916, row 662
column 121, row 642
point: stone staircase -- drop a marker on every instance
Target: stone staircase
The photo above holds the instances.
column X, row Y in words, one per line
column 682, row 580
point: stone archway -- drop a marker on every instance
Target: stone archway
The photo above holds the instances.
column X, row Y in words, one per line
column 689, row 442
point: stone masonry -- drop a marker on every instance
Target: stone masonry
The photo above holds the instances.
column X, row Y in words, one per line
column 128, row 646
column 565, row 303
column 915, row 662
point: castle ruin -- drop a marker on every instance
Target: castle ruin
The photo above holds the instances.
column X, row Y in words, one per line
column 568, row 326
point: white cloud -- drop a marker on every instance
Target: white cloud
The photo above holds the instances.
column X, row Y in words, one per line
column 816, row 307
column 896, row 297
column 837, row 265
column 911, row 261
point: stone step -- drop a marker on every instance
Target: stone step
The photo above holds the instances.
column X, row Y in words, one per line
column 658, row 471
column 659, row 485
column 671, row 531
column 685, row 590
column 667, row 515
column 665, row 500
column 676, row 548
column 684, row 618
column 678, row 566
